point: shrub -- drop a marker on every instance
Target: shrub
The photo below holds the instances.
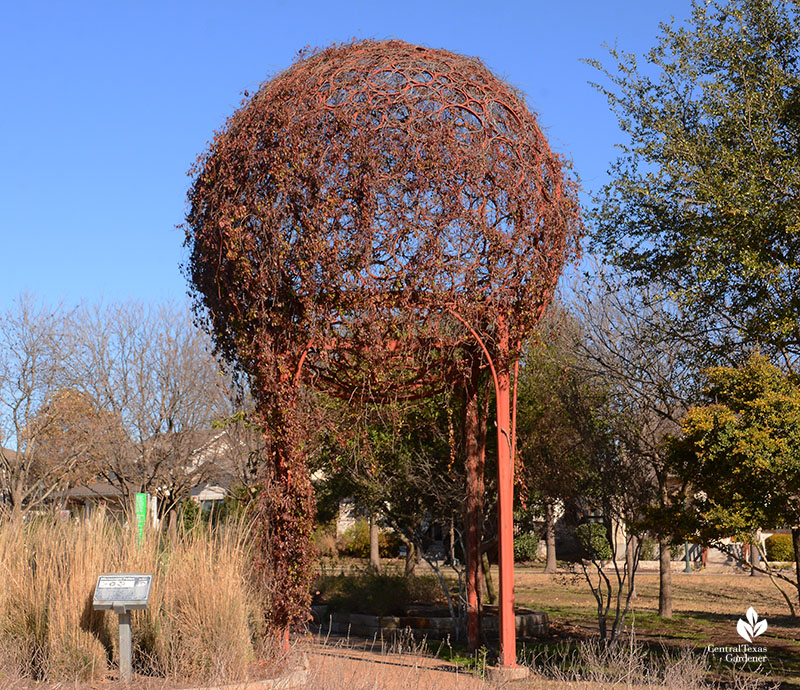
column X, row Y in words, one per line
column 355, row 540
column 378, row 594
column 648, row 550
column 325, row 540
column 593, row 541
column 526, row 547
column 192, row 514
column 389, row 544
column 240, row 503
column 779, row 547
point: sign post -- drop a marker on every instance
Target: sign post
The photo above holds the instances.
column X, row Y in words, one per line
column 122, row 593
column 140, row 507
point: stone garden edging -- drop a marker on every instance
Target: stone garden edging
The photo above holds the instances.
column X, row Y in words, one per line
column 293, row 678
column 529, row 623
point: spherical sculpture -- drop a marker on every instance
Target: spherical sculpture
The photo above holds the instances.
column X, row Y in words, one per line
column 377, row 175
column 374, row 193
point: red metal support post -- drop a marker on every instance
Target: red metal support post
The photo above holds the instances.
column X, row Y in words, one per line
column 505, row 519
column 505, row 487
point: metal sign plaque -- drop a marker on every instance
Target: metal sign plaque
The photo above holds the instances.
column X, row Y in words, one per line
column 122, row 591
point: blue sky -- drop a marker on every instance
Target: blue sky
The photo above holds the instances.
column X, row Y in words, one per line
column 107, row 104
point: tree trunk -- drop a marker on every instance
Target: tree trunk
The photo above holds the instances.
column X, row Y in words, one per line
column 796, row 545
column 374, row 545
column 664, row 579
column 491, row 592
column 172, row 528
column 411, row 559
column 664, row 560
column 16, row 513
column 452, row 553
column 16, row 501
column 473, row 509
column 755, row 553
column 630, row 552
column 550, row 537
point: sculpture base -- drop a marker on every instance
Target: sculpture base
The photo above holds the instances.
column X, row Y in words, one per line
column 507, row 673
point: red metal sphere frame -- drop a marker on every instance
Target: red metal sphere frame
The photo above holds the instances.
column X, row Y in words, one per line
column 373, row 208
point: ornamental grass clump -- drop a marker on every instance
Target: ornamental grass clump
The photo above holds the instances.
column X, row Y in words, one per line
column 204, row 613
column 201, row 624
column 592, row 664
column 47, row 627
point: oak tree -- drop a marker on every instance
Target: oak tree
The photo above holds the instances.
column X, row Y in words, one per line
column 704, row 197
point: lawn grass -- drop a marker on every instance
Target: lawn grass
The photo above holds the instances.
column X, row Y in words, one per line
column 706, row 607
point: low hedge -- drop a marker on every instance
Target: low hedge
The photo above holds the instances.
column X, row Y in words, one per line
column 377, row 594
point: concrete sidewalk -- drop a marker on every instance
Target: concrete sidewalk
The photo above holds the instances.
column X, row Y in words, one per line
column 338, row 667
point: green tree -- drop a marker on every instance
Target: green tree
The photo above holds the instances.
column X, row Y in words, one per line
column 549, row 444
column 740, row 454
column 704, row 196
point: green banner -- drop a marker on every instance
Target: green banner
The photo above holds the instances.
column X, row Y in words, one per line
column 140, row 507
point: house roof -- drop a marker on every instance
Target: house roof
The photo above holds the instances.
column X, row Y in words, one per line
column 94, row 490
column 208, row 492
